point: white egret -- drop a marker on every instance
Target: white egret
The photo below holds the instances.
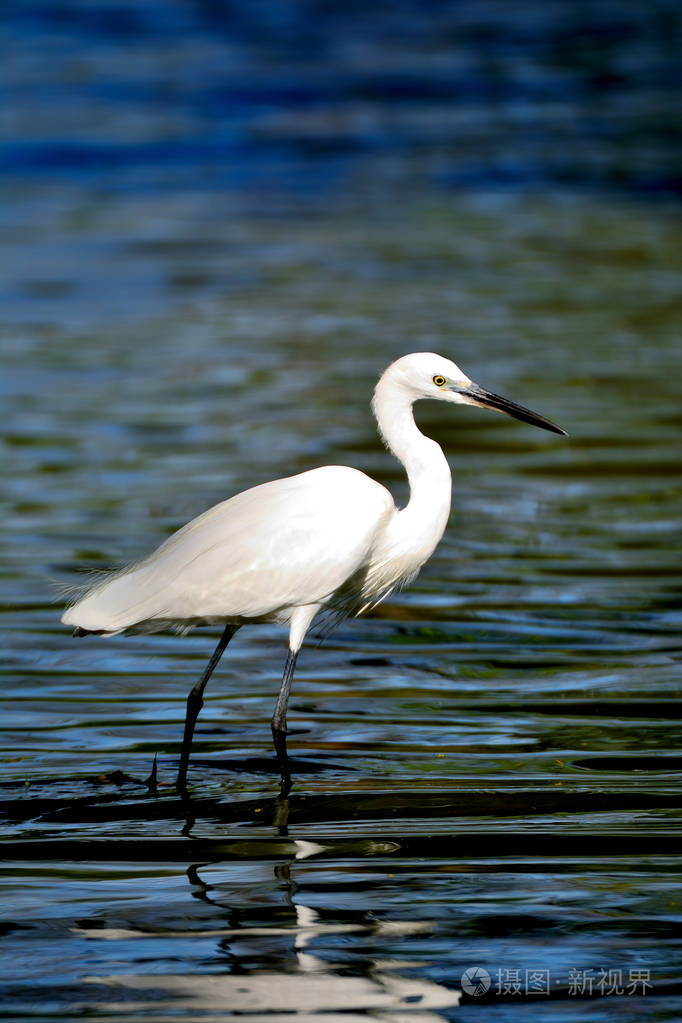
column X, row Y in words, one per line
column 330, row 540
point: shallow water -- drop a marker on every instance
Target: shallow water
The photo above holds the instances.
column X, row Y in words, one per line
column 486, row 768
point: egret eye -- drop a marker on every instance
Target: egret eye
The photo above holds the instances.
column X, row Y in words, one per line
column 439, row 381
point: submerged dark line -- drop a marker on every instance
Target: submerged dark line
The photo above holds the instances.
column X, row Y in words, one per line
column 459, row 845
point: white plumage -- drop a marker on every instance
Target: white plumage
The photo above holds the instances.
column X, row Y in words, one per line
column 328, row 540
column 254, row 557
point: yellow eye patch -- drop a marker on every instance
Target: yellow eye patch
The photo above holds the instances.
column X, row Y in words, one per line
column 439, row 381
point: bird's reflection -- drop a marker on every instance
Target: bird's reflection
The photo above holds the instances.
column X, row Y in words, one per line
column 269, row 945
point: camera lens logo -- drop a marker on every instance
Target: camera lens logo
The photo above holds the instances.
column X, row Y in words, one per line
column 475, row 981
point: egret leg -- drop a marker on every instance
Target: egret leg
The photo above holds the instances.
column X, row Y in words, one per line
column 195, row 702
column 279, row 722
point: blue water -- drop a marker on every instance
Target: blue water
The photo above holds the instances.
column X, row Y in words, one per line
column 305, row 97
column 220, row 222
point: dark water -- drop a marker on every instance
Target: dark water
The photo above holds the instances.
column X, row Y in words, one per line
column 222, row 223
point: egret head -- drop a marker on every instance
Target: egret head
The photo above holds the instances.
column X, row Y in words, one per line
column 426, row 375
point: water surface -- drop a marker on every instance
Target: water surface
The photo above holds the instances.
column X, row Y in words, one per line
column 487, row 766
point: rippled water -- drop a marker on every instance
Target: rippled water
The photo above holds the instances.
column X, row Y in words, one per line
column 486, row 769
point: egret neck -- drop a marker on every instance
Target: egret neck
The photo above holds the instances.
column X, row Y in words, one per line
column 416, row 529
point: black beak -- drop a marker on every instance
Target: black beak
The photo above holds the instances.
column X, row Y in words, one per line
column 486, row 399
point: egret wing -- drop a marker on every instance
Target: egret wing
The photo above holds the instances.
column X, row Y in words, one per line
column 288, row 542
